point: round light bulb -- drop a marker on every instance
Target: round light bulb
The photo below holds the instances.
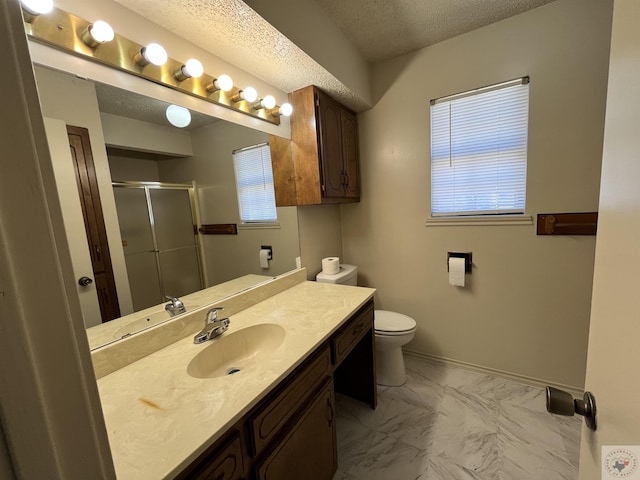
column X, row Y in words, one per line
column 155, row 54
column 286, row 109
column 269, row 102
column 224, row 83
column 193, row 68
column 101, row 31
column 249, row 94
column 37, row 7
column 178, row 116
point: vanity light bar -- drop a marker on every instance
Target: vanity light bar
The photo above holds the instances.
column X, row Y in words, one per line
column 72, row 34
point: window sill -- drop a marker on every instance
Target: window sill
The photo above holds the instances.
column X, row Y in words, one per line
column 258, row 226
column 480, row 220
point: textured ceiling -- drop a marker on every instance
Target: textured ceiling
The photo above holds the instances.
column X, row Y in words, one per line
column 383, row 29
column 234, row 32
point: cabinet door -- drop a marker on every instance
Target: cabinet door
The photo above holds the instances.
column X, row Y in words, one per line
column 350, row 153
column 224, row 463
column 330, row 137
column 309, row 450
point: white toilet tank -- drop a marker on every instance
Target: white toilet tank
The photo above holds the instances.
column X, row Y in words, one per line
column 348, row 275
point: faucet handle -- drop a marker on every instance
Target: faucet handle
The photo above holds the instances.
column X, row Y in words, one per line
column 212, row 315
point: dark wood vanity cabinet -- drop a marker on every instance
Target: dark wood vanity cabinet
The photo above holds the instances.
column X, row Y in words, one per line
column 324, row 153
column 308, row 451
column 291, row 433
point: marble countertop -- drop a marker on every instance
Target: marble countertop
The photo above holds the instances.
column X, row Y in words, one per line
column 159, row 419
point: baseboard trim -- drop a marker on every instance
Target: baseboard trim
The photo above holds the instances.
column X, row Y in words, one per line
column 537, row 382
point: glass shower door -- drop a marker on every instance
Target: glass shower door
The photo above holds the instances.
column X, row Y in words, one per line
column 176, row 241
column 162, row 256
column 138, row 245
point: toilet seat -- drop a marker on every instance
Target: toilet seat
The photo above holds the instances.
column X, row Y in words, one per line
column 392, row 323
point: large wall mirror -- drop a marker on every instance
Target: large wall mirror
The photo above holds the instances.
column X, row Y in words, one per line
column 154, row 186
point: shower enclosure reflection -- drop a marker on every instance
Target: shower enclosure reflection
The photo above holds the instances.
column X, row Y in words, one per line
column 160, row 245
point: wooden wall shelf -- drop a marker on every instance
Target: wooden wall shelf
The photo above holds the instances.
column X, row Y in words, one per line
column 219, row 229
column 567, row 223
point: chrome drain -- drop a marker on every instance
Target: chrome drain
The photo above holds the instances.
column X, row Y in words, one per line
column 233, row 370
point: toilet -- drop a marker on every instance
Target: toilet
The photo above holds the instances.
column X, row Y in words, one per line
column 392, row 330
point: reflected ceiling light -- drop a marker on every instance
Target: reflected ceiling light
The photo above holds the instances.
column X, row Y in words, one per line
column 178, row 116
column 267, row 102
column 98, row 33
column 191, row 69
column 285, row 110
column 152, row 53
column 33, row 8
column 249, row 94
column 223, row 82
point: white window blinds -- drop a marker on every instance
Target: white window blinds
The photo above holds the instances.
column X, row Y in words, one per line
column 254, row 182
column 479, row 151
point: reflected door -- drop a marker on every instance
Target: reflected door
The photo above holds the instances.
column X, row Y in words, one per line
column 159, row 241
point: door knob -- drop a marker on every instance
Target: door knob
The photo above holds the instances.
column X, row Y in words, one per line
column 560, row 402
column 84, row 281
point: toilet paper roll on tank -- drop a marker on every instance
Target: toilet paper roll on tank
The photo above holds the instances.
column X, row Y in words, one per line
column 331, row 265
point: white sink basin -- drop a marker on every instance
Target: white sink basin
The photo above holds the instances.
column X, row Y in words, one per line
column 233, row 352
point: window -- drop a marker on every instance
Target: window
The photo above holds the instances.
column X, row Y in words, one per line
column 479, row 151
column 254, row 182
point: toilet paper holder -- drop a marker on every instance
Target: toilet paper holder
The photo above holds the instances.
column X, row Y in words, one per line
column 468, row 259
column 270, row 249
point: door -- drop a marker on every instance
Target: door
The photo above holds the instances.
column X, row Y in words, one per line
column 350, row 153
column 614, row 335
column 65, row 175
column 330, row 144
column 138, row 245
column 159, row 239
column 175, row 231
column 96, row 231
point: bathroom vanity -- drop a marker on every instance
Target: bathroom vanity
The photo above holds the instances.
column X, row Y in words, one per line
column 181, row 412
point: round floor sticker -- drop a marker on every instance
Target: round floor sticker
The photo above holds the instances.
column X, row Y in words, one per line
column 620, row 463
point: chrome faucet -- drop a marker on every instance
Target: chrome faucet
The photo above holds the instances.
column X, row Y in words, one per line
column 213, row 326
column 175, row 306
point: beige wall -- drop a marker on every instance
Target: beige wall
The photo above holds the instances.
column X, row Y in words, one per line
column 526, row 307
column 230, row 256
column 320, row 235
column 125, row 169
column 133, row 134
column 74, row 101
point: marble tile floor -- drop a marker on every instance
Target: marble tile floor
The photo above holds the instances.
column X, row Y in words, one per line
column 451, row 423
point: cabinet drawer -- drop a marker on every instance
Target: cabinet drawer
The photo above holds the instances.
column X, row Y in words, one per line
column 268, row 421
column 223, row 463
column 351, row 333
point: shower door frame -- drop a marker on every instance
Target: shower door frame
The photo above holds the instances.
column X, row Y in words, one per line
column 191, row 189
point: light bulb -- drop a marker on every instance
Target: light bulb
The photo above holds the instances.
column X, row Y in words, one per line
column 192, row 68
column 178, row 116
column 249, row 94
column 223, row 83
column 152, row 53
column 285, row 110
column 268, row 102
column 98, row 33
column 37, row 7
